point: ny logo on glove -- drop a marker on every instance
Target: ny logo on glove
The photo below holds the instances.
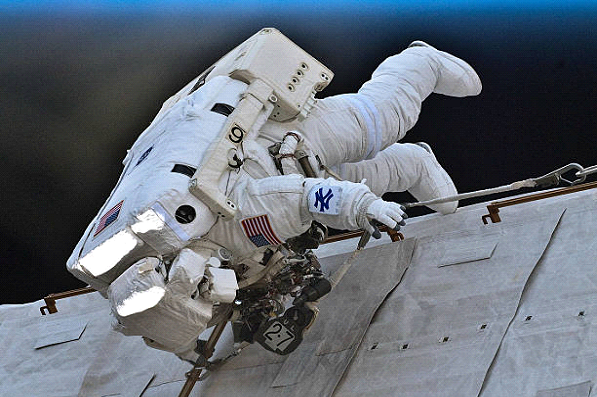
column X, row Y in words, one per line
column 328, row 202
column 323, row 201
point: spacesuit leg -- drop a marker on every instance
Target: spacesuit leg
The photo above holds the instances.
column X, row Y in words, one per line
column 353, row 127
column 405, row 167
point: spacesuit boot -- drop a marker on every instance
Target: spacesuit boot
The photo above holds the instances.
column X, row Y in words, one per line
column 455, row 77
column 405, row 167
column 434, row 183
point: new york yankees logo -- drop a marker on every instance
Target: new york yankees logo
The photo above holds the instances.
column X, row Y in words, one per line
column 323, row 200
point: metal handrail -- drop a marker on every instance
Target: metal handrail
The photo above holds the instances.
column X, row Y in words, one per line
column 494, row 208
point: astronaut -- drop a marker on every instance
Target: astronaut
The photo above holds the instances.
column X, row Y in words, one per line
column 237, row 164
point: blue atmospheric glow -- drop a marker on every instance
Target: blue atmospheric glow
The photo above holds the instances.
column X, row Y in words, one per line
column 269, row 6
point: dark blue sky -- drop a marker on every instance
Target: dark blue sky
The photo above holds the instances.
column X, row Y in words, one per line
column 300, row 8
column 424, row 5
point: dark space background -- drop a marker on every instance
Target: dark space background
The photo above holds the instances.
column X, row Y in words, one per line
column 79, row 83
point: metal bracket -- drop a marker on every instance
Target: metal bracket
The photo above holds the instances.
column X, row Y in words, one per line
column 50, row 300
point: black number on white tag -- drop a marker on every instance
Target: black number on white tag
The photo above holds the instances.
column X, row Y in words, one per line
column 236, row 134
column 284, row 334
column 278, row 337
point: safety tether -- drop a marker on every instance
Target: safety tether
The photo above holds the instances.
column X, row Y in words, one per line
column 554, row 178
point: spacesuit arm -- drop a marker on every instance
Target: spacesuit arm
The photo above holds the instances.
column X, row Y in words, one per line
column 348, row 205
column 291, row 202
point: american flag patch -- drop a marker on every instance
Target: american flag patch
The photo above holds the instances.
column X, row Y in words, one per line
column 108, row 218
column 259, row 231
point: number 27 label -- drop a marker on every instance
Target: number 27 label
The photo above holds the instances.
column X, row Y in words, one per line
column 277, row 336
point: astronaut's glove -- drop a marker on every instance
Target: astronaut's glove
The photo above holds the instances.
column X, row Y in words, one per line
column 390, row 214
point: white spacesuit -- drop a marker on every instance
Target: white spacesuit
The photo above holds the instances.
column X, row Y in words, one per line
column 165, row 254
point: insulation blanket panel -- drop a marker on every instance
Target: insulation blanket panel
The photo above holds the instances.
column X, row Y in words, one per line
column 457, row 309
